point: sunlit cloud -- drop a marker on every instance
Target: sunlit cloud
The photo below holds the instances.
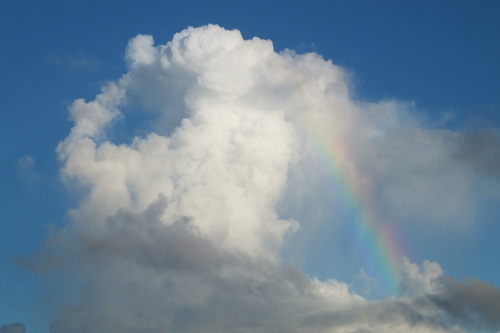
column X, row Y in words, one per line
column 212, row 152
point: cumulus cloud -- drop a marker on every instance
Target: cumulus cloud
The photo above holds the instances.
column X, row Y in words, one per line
column 418, row 281
column 178, row 227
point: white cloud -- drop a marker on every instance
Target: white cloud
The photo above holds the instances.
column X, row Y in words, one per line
column 420, row 281
column 178, row 228
column 363, row 284
column 141, row 51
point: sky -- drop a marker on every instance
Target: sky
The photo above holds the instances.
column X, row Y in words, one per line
column 249, row 166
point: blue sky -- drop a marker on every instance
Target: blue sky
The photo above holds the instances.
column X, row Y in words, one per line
column 439, row 60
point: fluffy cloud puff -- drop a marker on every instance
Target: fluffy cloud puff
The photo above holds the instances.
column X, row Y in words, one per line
column 182, row 163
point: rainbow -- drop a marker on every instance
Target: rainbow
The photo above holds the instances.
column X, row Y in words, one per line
column 376, row 240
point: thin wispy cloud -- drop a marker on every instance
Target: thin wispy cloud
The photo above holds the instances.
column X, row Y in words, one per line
column 70, row 63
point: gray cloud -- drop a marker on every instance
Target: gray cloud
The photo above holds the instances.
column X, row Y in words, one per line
column 152, row 277
column 481, row 148
column 13, row 328
column 475, row 303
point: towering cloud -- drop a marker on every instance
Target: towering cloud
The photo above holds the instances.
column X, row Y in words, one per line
column 181, row 166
